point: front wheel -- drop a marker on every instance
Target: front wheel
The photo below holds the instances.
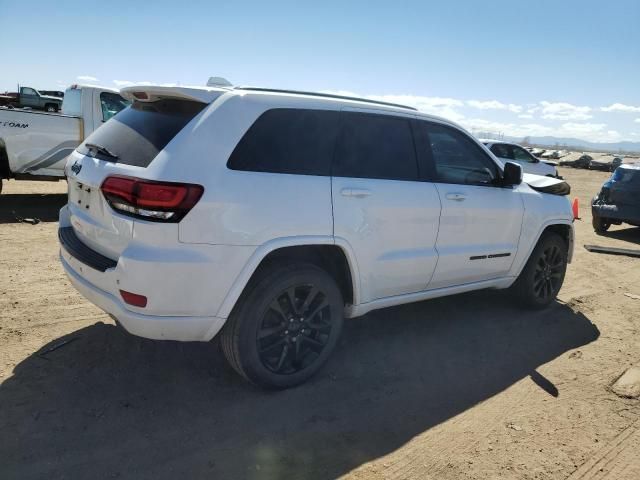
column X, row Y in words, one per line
column 600, row 225
column 285, row 326
column 541, row 279
column 51, row 108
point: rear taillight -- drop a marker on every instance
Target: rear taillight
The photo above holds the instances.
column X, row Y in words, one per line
column 155, row 201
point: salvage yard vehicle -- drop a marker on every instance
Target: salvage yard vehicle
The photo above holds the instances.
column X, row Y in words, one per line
column 32, row 98
column 583, row 162
column 619, row 199
column 512, row 152
column 606, row 166
column 267, row 216
column 35, row 145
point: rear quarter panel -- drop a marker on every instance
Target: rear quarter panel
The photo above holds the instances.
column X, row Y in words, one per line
column 240, row 207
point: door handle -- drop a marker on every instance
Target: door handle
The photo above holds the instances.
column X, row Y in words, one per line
column 458, row 197
column 355, row 192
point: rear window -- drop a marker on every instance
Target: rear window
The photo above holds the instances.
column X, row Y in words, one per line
column 627, row 175
column 138, row 133
column 285, row 140
column 71, row 105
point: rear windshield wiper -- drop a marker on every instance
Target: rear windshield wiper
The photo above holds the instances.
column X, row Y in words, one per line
column 101, row 150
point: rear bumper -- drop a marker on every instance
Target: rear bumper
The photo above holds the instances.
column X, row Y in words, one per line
column 625, row 213
column 149, row 326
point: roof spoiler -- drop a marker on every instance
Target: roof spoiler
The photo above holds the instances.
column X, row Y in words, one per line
column 152, row 93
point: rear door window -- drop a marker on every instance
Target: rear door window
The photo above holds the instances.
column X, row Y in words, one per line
column 375, row 146
column 138, row 133
column 288, row 140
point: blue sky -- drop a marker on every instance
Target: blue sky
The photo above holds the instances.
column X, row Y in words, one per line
column 563, row 68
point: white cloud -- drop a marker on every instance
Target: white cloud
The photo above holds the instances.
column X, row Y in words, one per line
column 87, row 78
column 494, row 105
column 564, row 111
column 620, row 107
column 637, row 120
column 128, row 83
column 441, row 106
column 525, row 115
column 596, row 132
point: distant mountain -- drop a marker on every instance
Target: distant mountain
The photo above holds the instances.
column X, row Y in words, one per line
column 630, row 147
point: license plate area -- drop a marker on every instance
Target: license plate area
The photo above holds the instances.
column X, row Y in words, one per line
column 81, row 195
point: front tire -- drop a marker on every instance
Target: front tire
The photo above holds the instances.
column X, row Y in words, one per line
column 541, row 279
column 51, row 108
column 600, row 225
column 285, row 326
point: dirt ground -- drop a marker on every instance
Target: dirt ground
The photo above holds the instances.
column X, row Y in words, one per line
column 458, row 388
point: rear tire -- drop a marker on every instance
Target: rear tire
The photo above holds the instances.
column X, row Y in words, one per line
column 541, row 279
column 284, row 326
column 600, row 225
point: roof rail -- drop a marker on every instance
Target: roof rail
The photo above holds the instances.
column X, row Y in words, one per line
column 324, row 95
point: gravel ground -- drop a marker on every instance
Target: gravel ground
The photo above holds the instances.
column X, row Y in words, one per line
column 456, row 388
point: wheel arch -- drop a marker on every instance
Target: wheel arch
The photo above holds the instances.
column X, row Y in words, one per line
column 562, row 227
column 334, row 257
column 5, row 169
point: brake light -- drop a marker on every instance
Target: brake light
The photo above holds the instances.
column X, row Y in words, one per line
column 155, row 201
column 134, row 299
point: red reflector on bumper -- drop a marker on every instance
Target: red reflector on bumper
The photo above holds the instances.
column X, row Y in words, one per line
column 134, row 299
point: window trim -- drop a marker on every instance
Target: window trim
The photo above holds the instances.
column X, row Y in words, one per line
column 288, row 108
column 430, row 165
column 381, row 113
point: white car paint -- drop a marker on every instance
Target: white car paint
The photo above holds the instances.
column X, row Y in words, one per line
column 404, row 241
column 38, row 143
column 529, row 163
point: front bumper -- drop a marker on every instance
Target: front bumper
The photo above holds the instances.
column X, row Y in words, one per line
column 624, row 213
column 156, row 327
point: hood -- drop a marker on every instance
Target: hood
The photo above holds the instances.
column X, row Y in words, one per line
column 550, row 185
column 549, row 162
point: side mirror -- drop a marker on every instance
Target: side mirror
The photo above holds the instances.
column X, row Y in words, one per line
column 512, row 174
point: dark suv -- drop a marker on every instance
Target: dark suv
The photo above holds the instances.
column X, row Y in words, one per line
column 619, row 199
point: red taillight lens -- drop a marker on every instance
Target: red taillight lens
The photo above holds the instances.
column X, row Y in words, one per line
column 134, row 299
column 157, row 201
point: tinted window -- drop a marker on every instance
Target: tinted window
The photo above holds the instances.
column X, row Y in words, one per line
column 457, row 159
column 626, row 175
column 501, row 150
column 138, row 133
column 375, row 146
column 288, row 141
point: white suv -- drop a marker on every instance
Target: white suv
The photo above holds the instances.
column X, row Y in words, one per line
column 268, row 216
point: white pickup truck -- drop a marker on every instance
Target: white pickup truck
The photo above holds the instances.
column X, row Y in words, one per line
column 34, row 145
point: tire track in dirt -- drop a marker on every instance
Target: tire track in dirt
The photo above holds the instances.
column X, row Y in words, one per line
column 616, row 461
